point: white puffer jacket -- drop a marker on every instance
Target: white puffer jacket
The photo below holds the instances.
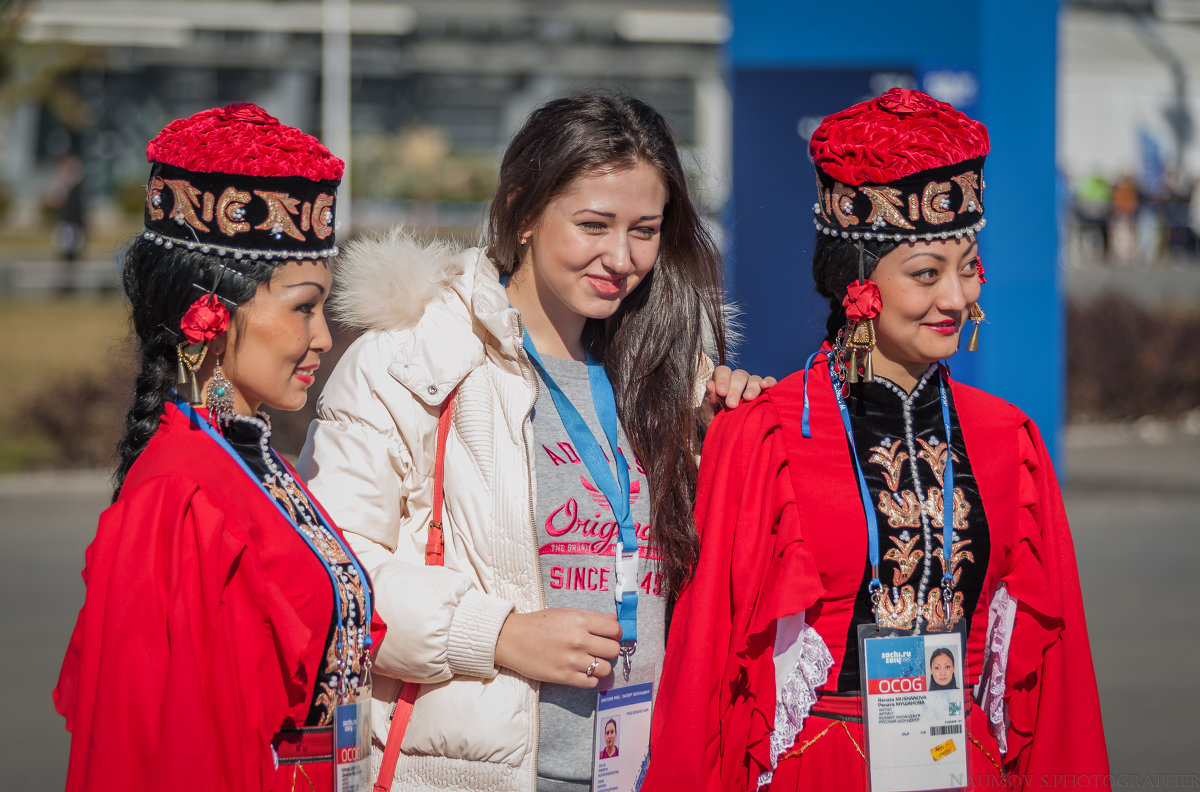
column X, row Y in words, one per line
column 437, row 320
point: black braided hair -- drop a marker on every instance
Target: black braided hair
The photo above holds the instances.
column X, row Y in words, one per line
column 161, row 284
column 835, row 266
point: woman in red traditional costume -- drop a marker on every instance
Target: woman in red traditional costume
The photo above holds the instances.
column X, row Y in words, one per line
column 227, row 625
column 820, row 516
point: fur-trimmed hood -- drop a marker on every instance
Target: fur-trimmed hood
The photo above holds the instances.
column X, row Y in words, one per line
column 436, row 308
column 385, row 282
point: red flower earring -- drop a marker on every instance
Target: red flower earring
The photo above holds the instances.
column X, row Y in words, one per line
column 206, row 319
column 975, row 313
column 862, row 303
column 203, row 321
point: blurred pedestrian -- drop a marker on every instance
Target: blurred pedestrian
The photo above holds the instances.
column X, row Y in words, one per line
column 1176, row 205
column 1123, row 237
column 226, row 624
column 1151, row 223
column 1092, row 209
column 65, row 196
column 1194, row 217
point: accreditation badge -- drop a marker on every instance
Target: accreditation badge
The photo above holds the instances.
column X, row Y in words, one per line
column 352, row 743
column 914, row 713
column 621, row 751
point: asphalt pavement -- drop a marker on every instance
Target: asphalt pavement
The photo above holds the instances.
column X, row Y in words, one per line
column 1132, row 493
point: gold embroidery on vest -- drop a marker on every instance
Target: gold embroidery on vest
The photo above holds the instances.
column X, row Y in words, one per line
column 906, row 558
column 935, row 613
column 936, row 511
column 934, row 456
column 280, row 495
column 957, row 557
column 902, row 509
column 891, row 460
column 900, row 615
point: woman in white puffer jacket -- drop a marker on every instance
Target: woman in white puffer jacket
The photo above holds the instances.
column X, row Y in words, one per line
column 603, row 255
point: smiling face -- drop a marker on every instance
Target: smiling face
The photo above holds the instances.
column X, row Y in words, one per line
column 275, row 341
column 941, row 668
column 590, row 247
column 926, row 289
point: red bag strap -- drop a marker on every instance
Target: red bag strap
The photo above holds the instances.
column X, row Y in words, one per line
column 435, row 545
column 435, row 555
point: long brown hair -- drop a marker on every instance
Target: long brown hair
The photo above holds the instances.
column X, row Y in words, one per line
column 652, row 346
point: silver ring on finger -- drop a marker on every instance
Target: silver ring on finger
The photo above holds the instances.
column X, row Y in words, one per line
column 591, row 670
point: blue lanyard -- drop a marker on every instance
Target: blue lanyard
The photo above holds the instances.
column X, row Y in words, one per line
column 869, row 507
column 204, row 425
column 615, row 490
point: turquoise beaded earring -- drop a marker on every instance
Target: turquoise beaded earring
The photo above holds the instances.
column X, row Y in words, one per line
column 219, row 395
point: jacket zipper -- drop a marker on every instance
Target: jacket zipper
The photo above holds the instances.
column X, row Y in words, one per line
column 525, row 427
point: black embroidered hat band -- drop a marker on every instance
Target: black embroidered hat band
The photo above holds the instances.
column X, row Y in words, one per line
column 235, row 182
column 934, row 204
column 902, row 166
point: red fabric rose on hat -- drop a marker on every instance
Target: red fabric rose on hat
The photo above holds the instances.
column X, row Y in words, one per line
column 206, row 319
column 906, row 100
column 862, row 301
column 246, row 111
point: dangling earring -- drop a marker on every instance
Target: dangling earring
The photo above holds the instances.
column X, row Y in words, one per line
column 976, row 315
column 219, row 395
column 862, row 303
column 861, row 339
column 204, row 320
column 191, row 356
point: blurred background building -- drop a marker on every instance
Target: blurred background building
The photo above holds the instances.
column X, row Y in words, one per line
column 430, row 90
column 434, row 88
column 421, row 96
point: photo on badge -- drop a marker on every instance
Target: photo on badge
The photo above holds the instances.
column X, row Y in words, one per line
column 610, row 748
column 942, row 666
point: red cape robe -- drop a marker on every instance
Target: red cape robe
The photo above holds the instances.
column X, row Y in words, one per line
column 782, row 531
column 201, row 633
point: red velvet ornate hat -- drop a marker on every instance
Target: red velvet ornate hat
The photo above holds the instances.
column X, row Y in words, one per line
column 235, row 182
column 902, row 166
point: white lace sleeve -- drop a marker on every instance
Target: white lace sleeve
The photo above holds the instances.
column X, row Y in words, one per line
column 802, row 663
column 993, row 681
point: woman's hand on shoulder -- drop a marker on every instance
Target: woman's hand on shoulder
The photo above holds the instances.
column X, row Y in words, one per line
column 559, row 645
column 729, row 388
